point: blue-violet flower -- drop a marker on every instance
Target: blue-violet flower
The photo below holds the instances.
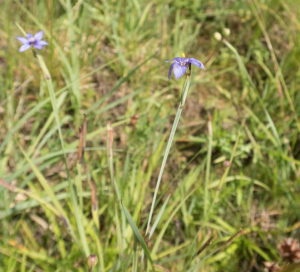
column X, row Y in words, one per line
column 32, row 41
column 180, row 65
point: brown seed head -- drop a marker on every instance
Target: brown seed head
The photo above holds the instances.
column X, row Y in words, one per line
column 289, row 250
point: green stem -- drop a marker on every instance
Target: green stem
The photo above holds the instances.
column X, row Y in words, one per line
column 184, row 93
column 208, row 162
column 79, row 186
column 135, row 257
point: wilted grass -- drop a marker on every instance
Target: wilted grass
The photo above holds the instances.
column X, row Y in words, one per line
column 230, row 189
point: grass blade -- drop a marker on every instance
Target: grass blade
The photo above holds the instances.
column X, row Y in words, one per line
column 137, row 234
column 158, row 217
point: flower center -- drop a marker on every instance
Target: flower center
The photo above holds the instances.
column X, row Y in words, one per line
column 31, row 41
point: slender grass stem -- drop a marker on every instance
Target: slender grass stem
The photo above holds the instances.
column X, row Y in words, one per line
column 208, row 162
column 79, row 185
column 184, row 93
column 114, row 185
column 135, row 257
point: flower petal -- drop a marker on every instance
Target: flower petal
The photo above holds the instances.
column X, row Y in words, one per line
column 24, row 47
column 28, row 35
column 175, row 59
column 23, row 40
column 42, row 42
column 39, row 35
column 38, row 46
column 197, row 63
column 179, row 71
column 171, row 69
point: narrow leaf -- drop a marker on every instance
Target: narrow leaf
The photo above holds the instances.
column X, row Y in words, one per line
column 137, row 233
column 158, row 217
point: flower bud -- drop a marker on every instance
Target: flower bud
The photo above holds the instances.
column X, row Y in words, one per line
column 226, row 32
column 227, row 163
column 134, row 119
column 92, row 261
column 218, row 36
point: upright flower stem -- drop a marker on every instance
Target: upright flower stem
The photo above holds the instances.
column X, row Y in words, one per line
column 183, row 96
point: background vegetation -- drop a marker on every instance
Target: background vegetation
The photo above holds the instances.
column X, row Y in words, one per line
column 107, row 61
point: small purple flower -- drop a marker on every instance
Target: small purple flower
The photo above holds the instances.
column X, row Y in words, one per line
column 32, row 41
column 180, row 65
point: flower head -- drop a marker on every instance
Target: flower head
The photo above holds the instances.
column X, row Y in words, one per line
column 32, row 41
column 180, row 65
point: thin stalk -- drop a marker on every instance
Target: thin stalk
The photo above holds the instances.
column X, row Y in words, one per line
column 96, row 237
column 79, row 185
column 184, row 93
column 75, row 64
column 135, row 257
column 95, row 209
column 109, row 144
column 208, row 162
column 120, row 227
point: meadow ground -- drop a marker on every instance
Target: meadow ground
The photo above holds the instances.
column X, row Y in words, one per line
column 229, row 193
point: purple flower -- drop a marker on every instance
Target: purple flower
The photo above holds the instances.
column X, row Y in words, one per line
column 180, row 65
column 32, row 41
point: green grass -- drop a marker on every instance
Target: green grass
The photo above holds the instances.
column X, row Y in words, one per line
column 231, row 180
